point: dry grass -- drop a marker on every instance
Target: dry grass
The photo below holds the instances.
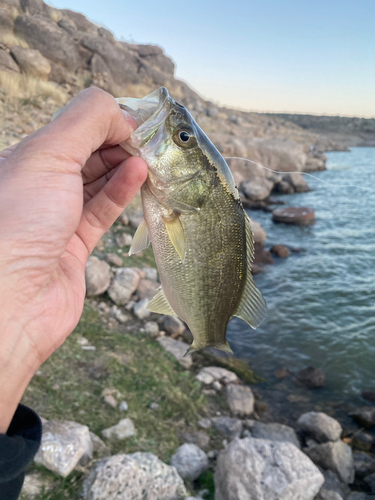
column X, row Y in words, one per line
column 132, row 90
column 10, row 39
column 15, row 85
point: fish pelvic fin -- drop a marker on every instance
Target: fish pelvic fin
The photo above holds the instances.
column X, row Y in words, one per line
column 159, row 304
column 176, row 235
column 252, row 307
column 141, row 238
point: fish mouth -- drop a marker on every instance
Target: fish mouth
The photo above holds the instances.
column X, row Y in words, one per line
column 149, row 113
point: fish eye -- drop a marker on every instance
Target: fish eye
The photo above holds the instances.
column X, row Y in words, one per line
column 184, row 138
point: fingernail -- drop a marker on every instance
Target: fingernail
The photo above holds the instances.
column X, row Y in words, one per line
column 130, row 120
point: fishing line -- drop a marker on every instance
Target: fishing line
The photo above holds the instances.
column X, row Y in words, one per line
column 298, row 172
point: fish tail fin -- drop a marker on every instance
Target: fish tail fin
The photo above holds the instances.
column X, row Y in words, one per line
column 192, row 348
column 224, row 347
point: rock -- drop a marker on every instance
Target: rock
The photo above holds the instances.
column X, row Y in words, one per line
column 113, row 258
column 328, row 495
column 319, row 426
column 301, row 216
column 369, row 395
column 333, row 483
column 364, row 464
column 173, row 325
column 118, row 314
column 124, row 219
column 147, row 289
column 370, row 480
column 123, row 239
column 7, row 62
column 280, row 251
column 80, row 21
column 6, row 19
column 198, row 438
column 204, row 423
column 34, row 484
column 365, row 416
column 357, row 495
column 190, row 461
column 217, row 386
column 154, row 406
column 363, row 441
column 99, row 446
column 124, row 429
column 335, row 456
column 231, row 427
column 177, row 349
column 53, row 42
column 150, row 273
column 98, row 276
column 140, row 309
column 31, row 62
column 282, row 373
column 252, row 469
column 256, row 189
column 123, row 406
column 204, row 378
column 152, row 329
column 297, row 182
column 220, row 374
column 132, row 477
column 275, row 432
column 64, row 445
column 124, row 284
column 110, row 400
column 311, row 377
column 68, row 25
column 259, row 233
column 240, row 400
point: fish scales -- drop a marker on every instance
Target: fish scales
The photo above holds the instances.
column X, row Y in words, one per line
column 193, row 216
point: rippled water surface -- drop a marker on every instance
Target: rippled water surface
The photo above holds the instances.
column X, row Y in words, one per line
column 321, row 302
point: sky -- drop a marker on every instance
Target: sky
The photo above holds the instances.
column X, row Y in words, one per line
column 295, row 56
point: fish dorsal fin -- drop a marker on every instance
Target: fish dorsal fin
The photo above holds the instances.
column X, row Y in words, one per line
column 159, row 304
column 176, row 234
column 141, row 239
column 252, row 307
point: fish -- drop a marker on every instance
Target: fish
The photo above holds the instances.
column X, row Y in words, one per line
column 193, row 216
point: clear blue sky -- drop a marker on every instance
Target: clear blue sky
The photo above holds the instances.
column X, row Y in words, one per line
column 300, row 56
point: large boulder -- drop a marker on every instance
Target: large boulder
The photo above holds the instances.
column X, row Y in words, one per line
column 52, row 41
column 64, row 445
column 98, row 276
column 31, row 62
column 258, row 469
column 256, row 189
column 190, row 461
column 7, row 63
column 240, row 400
column 319, row 426
column 282, row 155
column 137, row 476
column 275, row 432
column 335, row 456
column 80, row 21
column 124, row 284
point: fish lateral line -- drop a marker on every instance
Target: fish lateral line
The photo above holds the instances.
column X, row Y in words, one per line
column 297, row 172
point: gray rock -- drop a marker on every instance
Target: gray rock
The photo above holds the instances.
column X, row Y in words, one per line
column 123, row 239
column 99, row 447
column 118, row 314
column 64, row 445
column 333, row 483
column 154, row 406
column 150, row 273
column 110, row 400
column 275, row 432
column 140, row 309
column 80, row 21
column 357, row 495
column 204, row 423
column 123, row 430
column 328, row 495
column 311, row 377
column 319, row 426
column 204, row 378
column 370, row 480
column 123, row 406
column 177, row 349
column 198, row 438
column 34, row 484
column 173, row 325
column 147, row 289
column 152, row 329
column 31, row 62
column 365, row 416
column 231, row 427
column 240, row 400
column 335, row 456
column 256, row 189
column 220, row 374
column 190, row 461
column 113, row 258
column 217, row 386
column 259, row 233
column 137, row 476
column 364, row 464
column 98, row 276
column 124, row 284
column 297, row 182
column 257, row 469
column 7, row 62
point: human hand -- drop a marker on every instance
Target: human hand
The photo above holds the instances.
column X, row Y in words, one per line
column 61, row 188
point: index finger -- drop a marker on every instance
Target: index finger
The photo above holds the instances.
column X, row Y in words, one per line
column 92, row 119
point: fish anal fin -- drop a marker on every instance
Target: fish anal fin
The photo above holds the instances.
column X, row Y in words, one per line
column 224, row 347
column 141, row 239
column 159, row 304
column 192, row 348
column 252, row 307
column 176, row 234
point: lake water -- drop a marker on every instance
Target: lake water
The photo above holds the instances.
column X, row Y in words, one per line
column 321, row 302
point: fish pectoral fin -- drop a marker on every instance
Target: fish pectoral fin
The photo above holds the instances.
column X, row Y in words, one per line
column 176, row 235
column 159, row 304
column 252, row 307
column 141, row 238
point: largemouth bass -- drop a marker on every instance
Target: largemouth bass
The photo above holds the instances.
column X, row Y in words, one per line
column 200, row 233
